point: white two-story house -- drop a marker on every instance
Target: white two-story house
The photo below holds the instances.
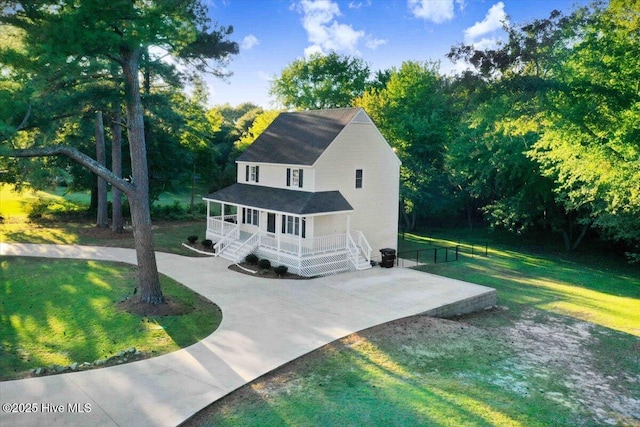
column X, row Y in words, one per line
column 317, row 191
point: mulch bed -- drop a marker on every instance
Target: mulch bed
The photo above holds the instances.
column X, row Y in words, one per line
column 264, row 273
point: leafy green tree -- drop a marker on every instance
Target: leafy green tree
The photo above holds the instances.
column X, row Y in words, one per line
column 321, row 81
column 413, row 113
column 259, row 124
column 121, row 31
column 567, row 87
column 591, row 128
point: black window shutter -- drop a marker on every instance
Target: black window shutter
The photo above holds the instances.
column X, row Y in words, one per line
column 304, row 227
column 300, row 178
column 246, row 173
column 244, row 215
column 284, row 224
column 257, row 173
column 288, row 177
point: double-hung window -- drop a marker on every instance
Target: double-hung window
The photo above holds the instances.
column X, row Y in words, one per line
column 294, row 177
column 252, row 173
column 294, row 225
column 358, row 178
column 250, row 216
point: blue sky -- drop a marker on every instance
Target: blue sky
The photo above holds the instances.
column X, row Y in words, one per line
column 384, row 33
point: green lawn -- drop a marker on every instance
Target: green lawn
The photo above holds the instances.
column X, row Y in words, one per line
column 604, row 290
column 562, row 349
column 64, row 311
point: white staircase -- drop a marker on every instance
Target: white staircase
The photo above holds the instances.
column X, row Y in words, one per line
column 229, row 251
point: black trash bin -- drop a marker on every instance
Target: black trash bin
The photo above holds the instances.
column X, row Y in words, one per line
column 388, row 257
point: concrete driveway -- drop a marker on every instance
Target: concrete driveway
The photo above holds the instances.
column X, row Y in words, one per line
column 266, row 323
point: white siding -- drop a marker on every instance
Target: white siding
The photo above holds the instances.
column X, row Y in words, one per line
column 327, row 225
column 272, row 175
column 361, row 146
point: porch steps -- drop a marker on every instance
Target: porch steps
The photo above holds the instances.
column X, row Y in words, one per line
column 231, row 253
column 362, row 263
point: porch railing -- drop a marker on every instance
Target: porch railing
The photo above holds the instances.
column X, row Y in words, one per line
column 247, row 247
column 228, row 238
column 221, row 225
column 303, row 247
column 362, row 243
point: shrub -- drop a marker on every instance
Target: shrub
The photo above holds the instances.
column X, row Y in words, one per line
column 38, row 208
column 192, row 239
column 207, row 243
column 171, row 212
column 251, row 259
column 265, row 264
column 281, row 270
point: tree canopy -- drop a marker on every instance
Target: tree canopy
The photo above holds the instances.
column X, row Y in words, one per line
column 321, row 81
column 64, row 43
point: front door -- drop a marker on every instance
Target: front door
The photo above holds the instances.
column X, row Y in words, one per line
column 271, row 222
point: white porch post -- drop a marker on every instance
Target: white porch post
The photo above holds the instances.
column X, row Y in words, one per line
column 299, row 236
column 348, row 223
column 279, row 231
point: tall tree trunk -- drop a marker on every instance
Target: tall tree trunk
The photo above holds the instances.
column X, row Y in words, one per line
column 148, row 278
column 117, row 221
column 102, row 216
column 193, row 188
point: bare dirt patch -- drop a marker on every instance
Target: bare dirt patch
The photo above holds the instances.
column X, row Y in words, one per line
column 534, row 355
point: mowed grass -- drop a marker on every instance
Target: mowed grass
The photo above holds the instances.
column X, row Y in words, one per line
column 561, row 350
column 168, row 236
column 598, row 288
column 56, row 312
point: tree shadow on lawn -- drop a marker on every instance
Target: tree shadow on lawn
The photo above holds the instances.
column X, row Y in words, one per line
column 56, row 312
column 378, row 377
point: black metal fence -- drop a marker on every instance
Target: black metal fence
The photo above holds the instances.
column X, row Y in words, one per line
column 440, row 254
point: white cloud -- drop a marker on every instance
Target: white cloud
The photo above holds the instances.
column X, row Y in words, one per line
column 311, row 50
column 264, row 76
column 249, row 42
column 436, row 11
column 359, row 4
column 373, row 43
column 491, row 23
column 326, row 34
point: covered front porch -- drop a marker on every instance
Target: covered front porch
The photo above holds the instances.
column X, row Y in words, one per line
column 310, row 242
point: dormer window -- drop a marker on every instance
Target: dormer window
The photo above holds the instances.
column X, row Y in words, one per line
column 294, row 177
column 252, row 173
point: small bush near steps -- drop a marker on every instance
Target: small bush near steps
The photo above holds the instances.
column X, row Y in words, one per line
column 208, row 244
column 265, row 264
column 281, row 270
column 192, row 239
column 251, row 259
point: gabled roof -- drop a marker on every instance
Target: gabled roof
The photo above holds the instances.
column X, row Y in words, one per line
column 281, row 200
column 298, row 138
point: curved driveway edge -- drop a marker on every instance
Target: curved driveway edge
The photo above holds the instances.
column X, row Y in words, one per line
column 265, row 324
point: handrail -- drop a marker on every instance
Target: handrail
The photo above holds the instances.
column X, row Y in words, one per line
column 256, row 235
column 218, row 247
column 351, row 245
column 363, row 244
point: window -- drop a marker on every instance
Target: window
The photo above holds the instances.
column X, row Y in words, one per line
column 358, row 178
column 294, row 177
column 250, row 216
column 251, row 173
column 292, row 225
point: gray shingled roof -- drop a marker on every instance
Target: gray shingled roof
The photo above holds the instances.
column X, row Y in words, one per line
column 298, row 138
column 281, row 200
